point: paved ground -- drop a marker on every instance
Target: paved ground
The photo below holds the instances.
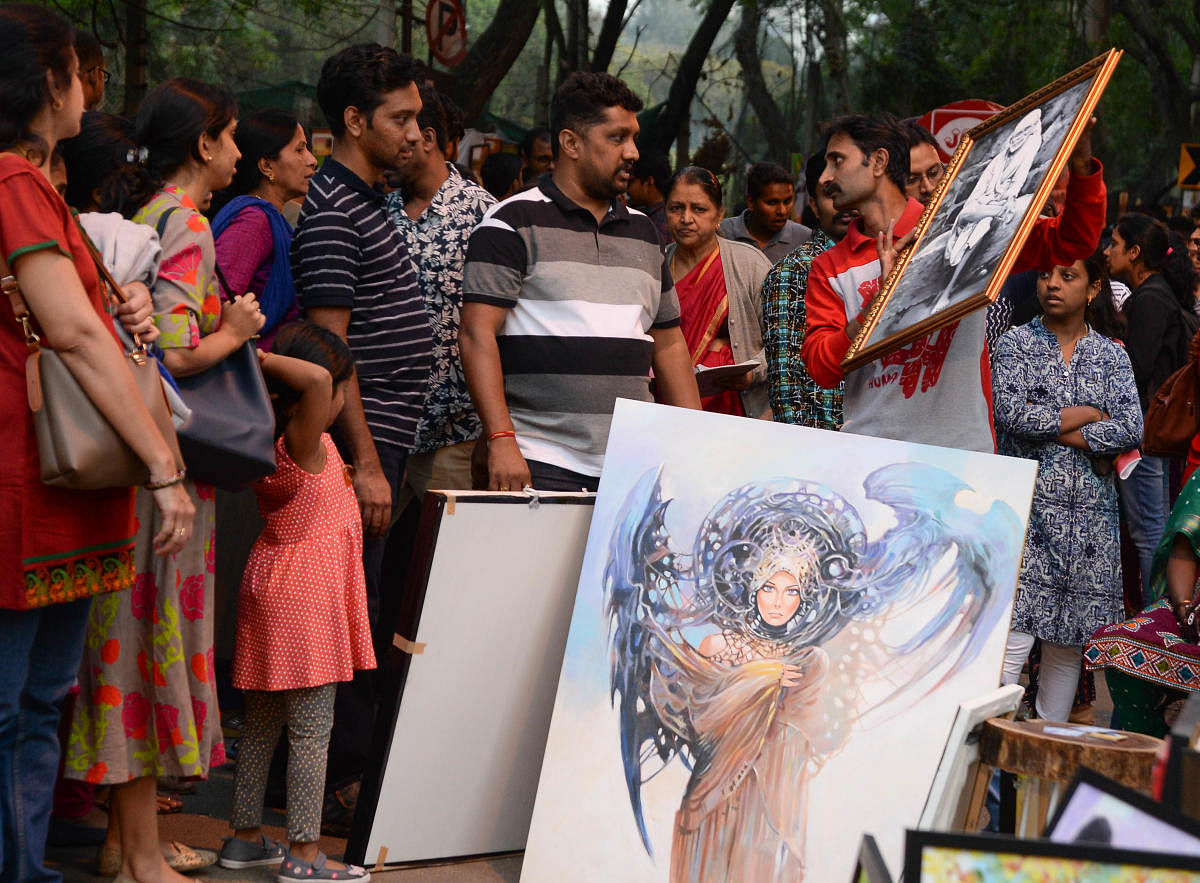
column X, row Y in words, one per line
column 202, row 823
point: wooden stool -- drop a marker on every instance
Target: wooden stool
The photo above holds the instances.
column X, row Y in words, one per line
column 1048, row 761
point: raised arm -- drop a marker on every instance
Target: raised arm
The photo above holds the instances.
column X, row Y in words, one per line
column 307, row 424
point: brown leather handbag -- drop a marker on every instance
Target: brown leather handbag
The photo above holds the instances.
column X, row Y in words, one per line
column 1173, row 418
column 77, row 446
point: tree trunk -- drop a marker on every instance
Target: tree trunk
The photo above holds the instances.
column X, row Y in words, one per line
column 610, row 32
column 493, row 54
column 837, row 56
column 385, row 24
column 683, row 87
column 779, row 135
column 577, row 35
column 136, row 42
column 1169, row 86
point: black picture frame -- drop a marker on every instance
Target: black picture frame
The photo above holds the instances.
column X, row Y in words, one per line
column 1087, row 778
column 917, row 843
column 870, row 867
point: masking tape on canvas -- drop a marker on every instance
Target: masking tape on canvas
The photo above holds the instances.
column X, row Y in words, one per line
column 379, row 862
column 412, row 648
column 449, row 503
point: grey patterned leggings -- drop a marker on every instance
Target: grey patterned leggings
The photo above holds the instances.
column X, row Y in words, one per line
column 309, row 717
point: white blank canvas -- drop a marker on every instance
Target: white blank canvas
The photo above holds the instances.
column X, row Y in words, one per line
column 463, row 764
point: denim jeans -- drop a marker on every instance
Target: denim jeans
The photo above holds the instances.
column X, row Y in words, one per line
column 1145, row 504
column 39, row 658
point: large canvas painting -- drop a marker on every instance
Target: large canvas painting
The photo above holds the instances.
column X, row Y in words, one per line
column 978, row 219
column 773, row 632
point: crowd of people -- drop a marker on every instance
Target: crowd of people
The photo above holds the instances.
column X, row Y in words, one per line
column 418, row 329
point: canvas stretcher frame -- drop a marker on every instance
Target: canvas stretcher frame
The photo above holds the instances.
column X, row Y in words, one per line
column 871, row 342
column 460, row 602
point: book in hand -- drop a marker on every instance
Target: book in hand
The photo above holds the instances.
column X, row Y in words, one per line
column 706, row 378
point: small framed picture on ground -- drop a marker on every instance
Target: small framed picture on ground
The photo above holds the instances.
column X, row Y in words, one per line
column 1096, row 809
column 933, row 857
column 987, row 203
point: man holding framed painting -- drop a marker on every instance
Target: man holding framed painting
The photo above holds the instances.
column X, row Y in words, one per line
column 937, row 388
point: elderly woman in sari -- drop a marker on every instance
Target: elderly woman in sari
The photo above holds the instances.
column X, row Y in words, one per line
column 718, row 283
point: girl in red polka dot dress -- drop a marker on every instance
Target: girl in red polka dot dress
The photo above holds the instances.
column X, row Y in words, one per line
column 302, row 614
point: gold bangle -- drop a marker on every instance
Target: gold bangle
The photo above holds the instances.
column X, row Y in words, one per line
column 166, row 482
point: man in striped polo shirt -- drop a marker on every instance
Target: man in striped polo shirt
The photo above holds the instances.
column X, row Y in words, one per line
column 354, row 276
column 568, row 302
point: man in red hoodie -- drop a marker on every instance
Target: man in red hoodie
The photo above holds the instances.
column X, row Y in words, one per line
column 936, row 390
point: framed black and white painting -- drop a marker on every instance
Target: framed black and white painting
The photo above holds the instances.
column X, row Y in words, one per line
column 981, row 214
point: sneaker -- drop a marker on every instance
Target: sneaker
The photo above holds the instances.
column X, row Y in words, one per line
column 298, row 869
column 244, row 854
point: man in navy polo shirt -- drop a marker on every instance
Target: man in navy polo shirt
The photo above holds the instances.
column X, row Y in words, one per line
column 568, row 302
column 354, row 276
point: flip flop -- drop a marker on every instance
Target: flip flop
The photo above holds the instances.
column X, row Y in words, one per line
column 168, row 805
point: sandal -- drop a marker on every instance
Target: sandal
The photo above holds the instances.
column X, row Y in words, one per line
column 168, row 805
column 108, row 861
column 185, row 859
column 182, row 858
column 298, row 869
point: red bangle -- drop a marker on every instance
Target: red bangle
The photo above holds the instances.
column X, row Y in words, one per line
column 508, row 433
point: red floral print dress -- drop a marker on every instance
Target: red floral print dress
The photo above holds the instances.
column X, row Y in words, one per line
column 147, row 704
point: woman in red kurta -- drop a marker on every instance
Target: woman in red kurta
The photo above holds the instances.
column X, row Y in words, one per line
column 58, row 548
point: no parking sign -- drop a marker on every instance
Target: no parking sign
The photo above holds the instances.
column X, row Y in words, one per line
column 446, row 28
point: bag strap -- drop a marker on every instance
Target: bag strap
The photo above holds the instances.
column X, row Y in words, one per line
column 20, row 309
column 161, row 226
column 224, row 283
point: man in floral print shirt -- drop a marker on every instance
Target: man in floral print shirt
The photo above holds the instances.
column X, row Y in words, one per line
column 435, row 209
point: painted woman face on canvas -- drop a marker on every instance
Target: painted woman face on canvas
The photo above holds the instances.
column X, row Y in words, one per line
column 778, row 599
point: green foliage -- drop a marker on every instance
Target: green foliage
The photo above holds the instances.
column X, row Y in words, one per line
column 906, row 56
column 925, row 53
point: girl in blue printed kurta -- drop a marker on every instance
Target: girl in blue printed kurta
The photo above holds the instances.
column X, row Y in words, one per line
column 1064, row 395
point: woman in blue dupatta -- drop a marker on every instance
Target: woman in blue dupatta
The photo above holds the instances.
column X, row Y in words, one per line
column 253, row 237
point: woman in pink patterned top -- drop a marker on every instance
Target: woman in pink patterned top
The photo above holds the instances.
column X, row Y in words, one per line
column 148, row 697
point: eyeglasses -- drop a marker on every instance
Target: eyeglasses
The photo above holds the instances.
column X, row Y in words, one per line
column 932, row 175
column 103, row 72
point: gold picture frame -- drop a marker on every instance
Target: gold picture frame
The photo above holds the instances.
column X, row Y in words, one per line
column 978, row 219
